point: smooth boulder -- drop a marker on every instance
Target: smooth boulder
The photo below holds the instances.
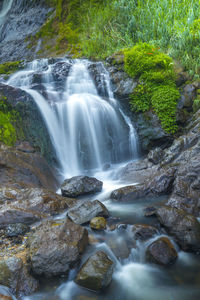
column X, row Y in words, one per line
column 80, row 185
column 55, row 247
column 161, row 252
column 96, row 273
column 86, row 211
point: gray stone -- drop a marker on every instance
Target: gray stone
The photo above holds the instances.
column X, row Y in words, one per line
column 55, row 247
column 86, row 211
column 96, row 273
column 80, row 185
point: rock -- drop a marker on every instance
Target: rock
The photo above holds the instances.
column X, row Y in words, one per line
column 161, row 252
column 150, row 132
column 25, row 147
column 98, row 223
column 189, row 94
column 184, row 227
column 15, row 275
column 86, row 211
column 19, row 169
column 96, row 273
column 97, row 71
column 37, row 199
column 55, row 247
column 144, row 232
column 5, row 293
column 157, row 182
column 80, row 185
column 155, row 155
column 10, row 215
column 32, row 124
column 17, row 229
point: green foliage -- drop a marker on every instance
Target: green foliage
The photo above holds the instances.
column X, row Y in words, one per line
column 10, row 123
column 172, row 25
column 144, row 57
column 9, row 67
column 164, row 102
column 196, row 105
column 156, row 89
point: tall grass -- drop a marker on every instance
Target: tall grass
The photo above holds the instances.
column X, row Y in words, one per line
column 172, row 25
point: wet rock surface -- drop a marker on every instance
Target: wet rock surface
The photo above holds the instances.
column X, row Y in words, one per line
column 19, row 169
column 96, row 273
column 184, row 227
column 144, row 232
column 55, row 247
column 98, row 223
column 32, row 123
column 80, row 185
column 159, row 181
column 30, row 205
column 15, row 274
column 161, row 252
column 86, row 211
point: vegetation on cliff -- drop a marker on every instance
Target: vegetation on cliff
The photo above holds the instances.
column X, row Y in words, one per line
column 10, row 123
column 97, row 28
column 156, row 88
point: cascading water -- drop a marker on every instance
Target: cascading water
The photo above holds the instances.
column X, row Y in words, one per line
column 86, row 131
column 90, row 132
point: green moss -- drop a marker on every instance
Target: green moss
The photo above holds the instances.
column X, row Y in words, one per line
column 156, row 88
column 10, row 123
column 196, row 105
column 9, row 67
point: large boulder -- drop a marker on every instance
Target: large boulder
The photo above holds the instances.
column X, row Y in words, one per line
column 30, row 205
column 86, row 211
column 80, row 185
column 10, row 214
column 15, row 274
column 96, row 273
column 157, row 182
column 184, row 227
column 37, row 199
column 161, row 252
column 55, row 247
column 19, row 169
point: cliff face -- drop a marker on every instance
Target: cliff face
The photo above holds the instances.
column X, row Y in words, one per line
column 19, row 20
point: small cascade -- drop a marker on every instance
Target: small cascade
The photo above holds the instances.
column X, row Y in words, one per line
column 86, row 130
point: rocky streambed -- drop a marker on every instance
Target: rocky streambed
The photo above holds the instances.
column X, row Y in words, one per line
column 86, row 243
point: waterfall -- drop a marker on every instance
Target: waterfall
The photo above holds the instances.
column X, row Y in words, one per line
column 86, row 130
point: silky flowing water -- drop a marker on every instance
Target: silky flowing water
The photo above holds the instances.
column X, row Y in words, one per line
column 92, row 135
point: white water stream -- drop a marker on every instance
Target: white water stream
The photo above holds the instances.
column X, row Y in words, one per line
column 87, row 132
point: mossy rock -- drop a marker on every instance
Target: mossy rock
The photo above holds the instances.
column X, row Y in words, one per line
column 156, row 89
column 98, row 223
